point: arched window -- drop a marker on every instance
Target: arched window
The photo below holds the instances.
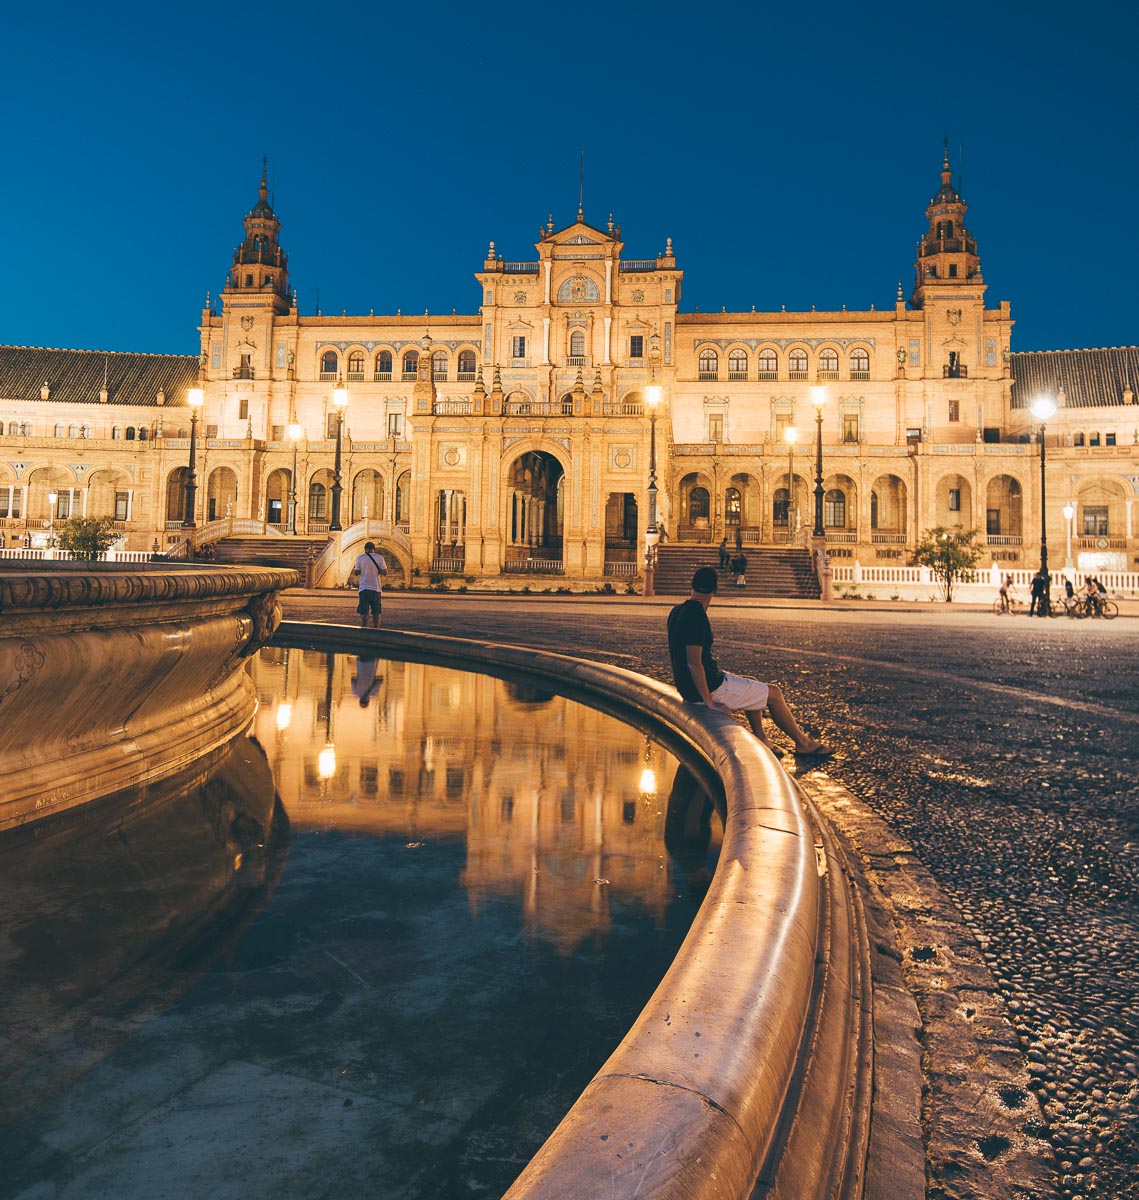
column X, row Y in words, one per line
column 768, row 364
column 384, row 364
column 466, row 364
column 828, row 363
column 130, row 433
column 577, row 344
column 116, row 433
column 834, row 509
column 329, row 364
column 1077, row 439
column 85, row 431
column 59, row 431
column 142, row 433
column 859, row 364
column 709, row 363
column 737, row 364
column 797, row 361
column 411, row 364
column 1094, row 439
column 317, row 502
column 699, row 504
column 439, row 363
column 780, row 506
column 356, row 365
column 733, row 506
column 13, row 429
column 73, row 431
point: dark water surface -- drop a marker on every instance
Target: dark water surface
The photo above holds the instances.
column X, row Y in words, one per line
column 377, row 950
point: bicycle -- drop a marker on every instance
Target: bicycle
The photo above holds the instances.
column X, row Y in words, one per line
column 1007, row 606
column 1094, row 606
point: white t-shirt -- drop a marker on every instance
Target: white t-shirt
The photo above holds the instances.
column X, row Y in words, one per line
column 370, row 567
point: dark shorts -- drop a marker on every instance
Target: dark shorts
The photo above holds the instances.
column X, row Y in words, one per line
column 369, row 603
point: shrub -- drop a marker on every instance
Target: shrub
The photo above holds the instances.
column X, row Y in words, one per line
column 87, row 538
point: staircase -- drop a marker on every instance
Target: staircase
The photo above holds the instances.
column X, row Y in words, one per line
column 293, row 552
column 780, row 572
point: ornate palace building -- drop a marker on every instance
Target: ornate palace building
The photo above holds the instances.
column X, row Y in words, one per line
column 516, row 439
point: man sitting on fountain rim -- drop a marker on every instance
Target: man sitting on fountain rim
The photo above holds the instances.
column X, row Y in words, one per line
column 700, row 680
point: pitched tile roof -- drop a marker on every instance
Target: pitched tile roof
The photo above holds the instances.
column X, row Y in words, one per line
column 76, row 376
column 1089, row 378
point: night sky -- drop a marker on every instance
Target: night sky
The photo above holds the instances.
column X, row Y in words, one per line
column 789, row 151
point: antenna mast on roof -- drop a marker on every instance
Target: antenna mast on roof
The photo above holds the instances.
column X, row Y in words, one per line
column 581, row 187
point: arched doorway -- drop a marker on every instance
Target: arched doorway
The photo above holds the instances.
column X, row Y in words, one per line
column 318, row 501
column 953, row 502
column 1004, row 511
column 840, row 508
column 742, row 507
column 535, row 510
column 176, row 484
column 221, row 494
column 888, row 511
column 367, row 496
column 694, row 520
column 277, row 488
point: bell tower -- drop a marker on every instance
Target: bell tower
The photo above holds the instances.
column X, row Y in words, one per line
column 947, row 258
column 260, row 267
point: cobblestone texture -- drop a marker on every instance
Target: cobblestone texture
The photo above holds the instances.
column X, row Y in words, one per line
column 1003, row 751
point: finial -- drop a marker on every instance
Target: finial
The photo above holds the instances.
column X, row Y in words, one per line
column 668, row 247
column 900, row 296
column 263, row 190
column 945, row 161
column 579, row 385
column 597, row 388
column 610, row 225
column 550, row 224
column 581, row 187
column 490, row 252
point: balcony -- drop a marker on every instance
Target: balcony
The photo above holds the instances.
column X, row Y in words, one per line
column 639, row 264
column 409, row 376
column 328, row 377
column 355, row 376
column 768, row 376
column 382, row 376
column 441, row 374
column 958, row 372
column 520, row 268
column 1003, row 539
column 453, row 408
column 887, row 539
column 1101, row 542
column 737, row 375
column 539, row 408
column 797, row 376
column 466, row 376
column 708, row 376
column 828, row 376
column 860, row 375
column 624, row 409
column 576, row 360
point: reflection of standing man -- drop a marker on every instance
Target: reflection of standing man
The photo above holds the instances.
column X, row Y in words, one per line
column 370, row 567
column 366, row 681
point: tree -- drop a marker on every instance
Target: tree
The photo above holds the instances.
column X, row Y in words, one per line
column 951, row 554
column 87, row 538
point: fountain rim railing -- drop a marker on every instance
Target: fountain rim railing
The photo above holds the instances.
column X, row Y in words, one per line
column 752, row 1062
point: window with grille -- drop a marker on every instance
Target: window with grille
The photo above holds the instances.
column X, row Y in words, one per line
column 518, row 346
column 709, row 364
column 954, row 499
column 637, row 345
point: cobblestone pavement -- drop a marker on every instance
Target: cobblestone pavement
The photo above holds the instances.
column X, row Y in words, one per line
column 1003, row 750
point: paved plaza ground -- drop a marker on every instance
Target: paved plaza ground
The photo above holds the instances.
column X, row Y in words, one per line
column 1003, row 752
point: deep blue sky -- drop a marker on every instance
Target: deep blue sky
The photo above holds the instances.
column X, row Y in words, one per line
column 789, row 151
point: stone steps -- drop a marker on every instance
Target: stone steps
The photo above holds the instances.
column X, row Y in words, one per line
column 770, row 572
column 294, row 552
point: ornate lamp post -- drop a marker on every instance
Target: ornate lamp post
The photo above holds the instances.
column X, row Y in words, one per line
column 296, row 432
column 340, row 401
column 1069, row 516
column 1042, row 408
column 195, row 398
column 391, row 508
column 52, row 500
column 818, row 399
column 652, row 533
column 790, row 436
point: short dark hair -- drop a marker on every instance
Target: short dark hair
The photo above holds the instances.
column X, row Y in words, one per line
column 369, row 546
column 705, row 581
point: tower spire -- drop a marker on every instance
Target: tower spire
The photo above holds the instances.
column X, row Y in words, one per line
column 581, row 187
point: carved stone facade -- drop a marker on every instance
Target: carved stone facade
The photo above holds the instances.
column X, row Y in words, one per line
column 515, row 439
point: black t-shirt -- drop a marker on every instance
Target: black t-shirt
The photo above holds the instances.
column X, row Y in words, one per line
column 688, row 625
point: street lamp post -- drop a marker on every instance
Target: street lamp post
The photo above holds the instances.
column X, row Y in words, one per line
column 195, row 398
column 52, row 500
column 1069, row 516
column 296, row 432
column 652, row 534
column 818, row 399
column 1042, row 408
column 340, row 400
column 790, row 436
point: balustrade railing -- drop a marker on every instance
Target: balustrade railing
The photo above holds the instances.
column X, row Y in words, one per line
column 621, row 570
column 448, row 566
column 533, row 566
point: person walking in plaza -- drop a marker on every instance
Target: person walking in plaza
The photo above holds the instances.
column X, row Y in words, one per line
column 725, row 555
column 700, row 680
column 369, row 567
column 739, row 570
column 1039, row 588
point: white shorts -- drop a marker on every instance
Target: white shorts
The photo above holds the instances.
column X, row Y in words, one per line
column 741, row 692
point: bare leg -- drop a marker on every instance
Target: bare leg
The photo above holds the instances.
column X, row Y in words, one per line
column 782, row 715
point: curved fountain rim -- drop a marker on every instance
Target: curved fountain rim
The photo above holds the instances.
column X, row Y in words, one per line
column 702, row 1113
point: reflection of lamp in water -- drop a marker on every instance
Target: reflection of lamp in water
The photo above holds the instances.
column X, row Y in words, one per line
column 326, row 759
column 284, row 716
column 648, row 786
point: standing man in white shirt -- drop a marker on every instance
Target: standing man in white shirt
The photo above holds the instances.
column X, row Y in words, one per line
column 370, row 566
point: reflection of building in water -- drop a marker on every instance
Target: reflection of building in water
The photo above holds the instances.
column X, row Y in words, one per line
column 550, row 795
